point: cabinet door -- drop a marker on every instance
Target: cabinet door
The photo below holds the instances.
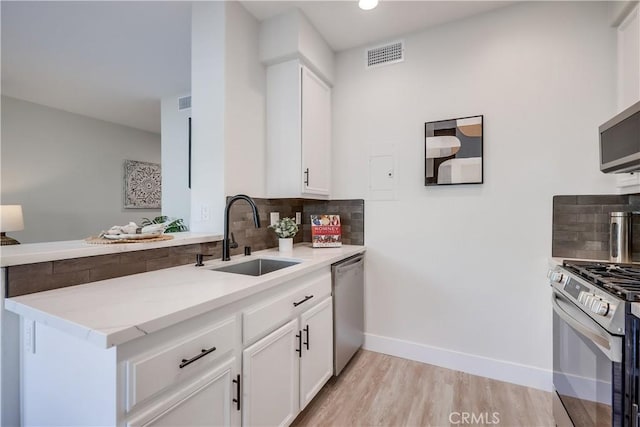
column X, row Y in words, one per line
column 270, row 378
column 316, row 134
column 205, row 402
column 316, row 364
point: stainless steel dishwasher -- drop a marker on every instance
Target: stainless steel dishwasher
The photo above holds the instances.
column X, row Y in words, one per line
column 348, row 310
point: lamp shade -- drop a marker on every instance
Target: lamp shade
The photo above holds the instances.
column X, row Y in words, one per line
column 11, row 218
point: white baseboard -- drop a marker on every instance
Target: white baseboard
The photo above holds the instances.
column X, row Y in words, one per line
column 501, row 370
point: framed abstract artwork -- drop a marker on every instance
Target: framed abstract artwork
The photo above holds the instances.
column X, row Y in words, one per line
column 453, row 151
column 142, row 185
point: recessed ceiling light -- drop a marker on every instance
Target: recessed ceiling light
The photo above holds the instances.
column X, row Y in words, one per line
column 367, row 4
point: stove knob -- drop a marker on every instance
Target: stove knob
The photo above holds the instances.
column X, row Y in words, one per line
column 555, row 276
column 600, row 307
column 582, row 297
column 588, row 300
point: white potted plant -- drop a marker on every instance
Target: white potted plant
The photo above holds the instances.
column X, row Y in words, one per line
column 285, row 229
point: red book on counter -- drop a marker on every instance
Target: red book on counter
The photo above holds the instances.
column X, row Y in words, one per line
column 326, row 231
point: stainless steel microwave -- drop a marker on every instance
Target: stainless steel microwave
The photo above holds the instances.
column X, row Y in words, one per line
column 620, row 142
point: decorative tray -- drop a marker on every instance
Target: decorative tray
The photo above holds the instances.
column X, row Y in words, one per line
column 132, row 236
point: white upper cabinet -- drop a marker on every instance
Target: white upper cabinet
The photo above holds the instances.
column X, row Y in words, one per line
column 316, row 134
column 271, row 378
column 629, row 59
column 298, row 132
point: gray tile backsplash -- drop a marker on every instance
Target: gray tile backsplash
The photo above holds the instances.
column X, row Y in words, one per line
column 30, row 278
column 351, row 216
column 581, row 225
column 44, row 276
column 241, row 222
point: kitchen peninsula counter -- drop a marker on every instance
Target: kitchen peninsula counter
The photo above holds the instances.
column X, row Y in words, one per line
column 112, row 312
column 31, row 253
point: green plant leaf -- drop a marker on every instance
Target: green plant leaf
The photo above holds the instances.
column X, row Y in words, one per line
column 285, row 228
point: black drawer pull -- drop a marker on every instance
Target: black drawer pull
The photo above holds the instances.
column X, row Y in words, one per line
column 186, row 362
column 306, row 343
column 306, row 177
column 306, row 298
column 237, row 383
column 299, row 349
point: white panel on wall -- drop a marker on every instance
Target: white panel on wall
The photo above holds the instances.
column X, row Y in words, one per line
column 381, row 173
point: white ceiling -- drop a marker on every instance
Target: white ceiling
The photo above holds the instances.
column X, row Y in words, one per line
column 343, row 25
column 114, row 60
column 108, row 60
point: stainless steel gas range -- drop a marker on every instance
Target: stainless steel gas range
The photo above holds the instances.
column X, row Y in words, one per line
column 595, row 343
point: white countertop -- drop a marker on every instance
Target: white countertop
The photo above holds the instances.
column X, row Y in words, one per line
column 30, row 253
column 114, row 311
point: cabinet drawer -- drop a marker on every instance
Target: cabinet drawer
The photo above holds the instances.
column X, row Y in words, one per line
column 156, row 370
column 264, row 317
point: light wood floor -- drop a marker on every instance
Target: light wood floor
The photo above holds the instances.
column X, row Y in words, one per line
column 380, row 390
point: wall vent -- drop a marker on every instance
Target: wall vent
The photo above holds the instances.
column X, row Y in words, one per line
column 184, row 103
column 390, row 53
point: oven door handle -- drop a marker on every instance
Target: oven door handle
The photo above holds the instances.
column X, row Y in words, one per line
column 610, row 345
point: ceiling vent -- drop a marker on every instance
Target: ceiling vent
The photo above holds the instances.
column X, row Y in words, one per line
column 184, row 103
column 387, row 54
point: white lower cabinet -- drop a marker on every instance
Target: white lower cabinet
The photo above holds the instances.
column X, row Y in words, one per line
column 283, row 371
column 257, row 361
column 209, row 401
column 270, row 379
column 316, row 362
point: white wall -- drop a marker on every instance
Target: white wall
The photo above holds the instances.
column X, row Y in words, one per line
column 207, row 126
column 66, row 170
column 244, row 105
column 456, row 274
column 315, row 51
column 291, row 36
column 176, row 194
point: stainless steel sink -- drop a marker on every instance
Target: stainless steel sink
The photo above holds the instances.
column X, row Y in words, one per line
column 256, row 267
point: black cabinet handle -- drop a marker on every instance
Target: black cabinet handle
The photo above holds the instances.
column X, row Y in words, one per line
column 189, row 152
column 204, row 352
column 306, row 343
column 299, row 349
column 237, row 383
column 306, row 177
column 306, row 298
